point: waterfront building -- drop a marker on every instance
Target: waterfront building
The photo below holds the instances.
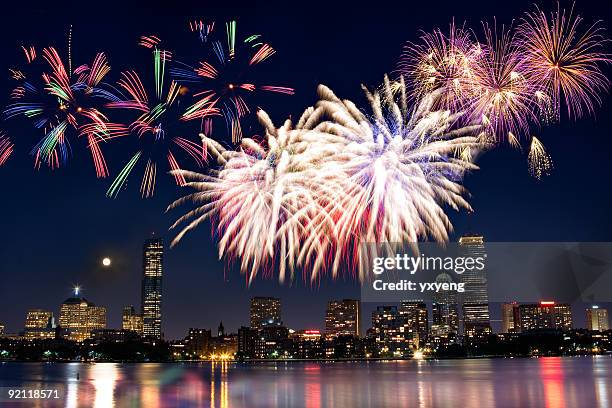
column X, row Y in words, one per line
column 386, row 331
column 197, row 343
column 307, row 344
column 272, row 342
column 343, row 317
column 80, row 317
column 414, row 322
column 597, row 319
column 545, row 315
column 246, row 342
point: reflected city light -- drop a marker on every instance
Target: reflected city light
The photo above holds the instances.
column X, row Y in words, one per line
column 104, row 377
column 551, row 369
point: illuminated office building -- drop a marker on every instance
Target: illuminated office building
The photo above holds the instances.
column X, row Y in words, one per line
column 545, row 315
column 343, row 317
column 152, row 265
column 475, row 305
column 597, row 318
column 387, row 331
column 265, row 311
column 414, row 321
column 39, row 324
column 510, row 318
column 131, row 321
column 38, row 319
column 79, row 317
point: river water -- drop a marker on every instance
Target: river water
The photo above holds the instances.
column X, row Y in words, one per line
column 539, row 382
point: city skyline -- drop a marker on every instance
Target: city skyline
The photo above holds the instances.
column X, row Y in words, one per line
column 59, row 252
column 424, row 318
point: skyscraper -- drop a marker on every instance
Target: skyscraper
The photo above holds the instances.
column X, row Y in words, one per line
column 343, row 317
column 265, row 311
column 597, row 318
column 131, row 320
column 545, row 315
column 152, row 265
column 414, row 321
column 476, row 318
column 445, row 315
column 79, row 317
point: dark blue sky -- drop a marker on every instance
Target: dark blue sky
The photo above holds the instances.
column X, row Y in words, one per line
column 57, row 226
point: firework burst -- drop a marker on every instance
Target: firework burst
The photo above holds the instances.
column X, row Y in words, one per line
column 63, row 102
column 506, row 98
column 397, row 167
column 223, row 79
column 339, row 178
column 264, row 199
column 564, row 60
column 157, row 111
column 444, row 62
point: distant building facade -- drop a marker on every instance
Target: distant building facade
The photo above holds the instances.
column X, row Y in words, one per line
column 79, row 318
column 545, row 315
column 597, row 319
column 510, row 317
column 39, row 324
column 414, row 322
column 265, row 311
column 131, row 321
column 387, row 333
column 197, row 342
column 343, row 317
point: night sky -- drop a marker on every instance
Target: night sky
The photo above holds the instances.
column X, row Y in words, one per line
column 57, row 226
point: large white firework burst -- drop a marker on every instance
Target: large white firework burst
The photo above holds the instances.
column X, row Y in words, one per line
column 308, row 196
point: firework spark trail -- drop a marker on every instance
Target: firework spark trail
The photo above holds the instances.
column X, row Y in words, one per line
column 564, row 61
column 6, row 148
column 540, row 163
column 221, row 78
column 155, row 111
column 339, row 178
column 65, row 101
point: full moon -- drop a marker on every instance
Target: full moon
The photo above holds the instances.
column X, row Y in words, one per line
column 106, row 262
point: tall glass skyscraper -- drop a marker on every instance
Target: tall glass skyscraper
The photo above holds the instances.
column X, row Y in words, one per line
column 152, row 265
column 476, row 318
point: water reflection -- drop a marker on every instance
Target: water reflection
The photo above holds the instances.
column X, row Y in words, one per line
column 104, row 378
column 547, row 382
column 551, row 369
